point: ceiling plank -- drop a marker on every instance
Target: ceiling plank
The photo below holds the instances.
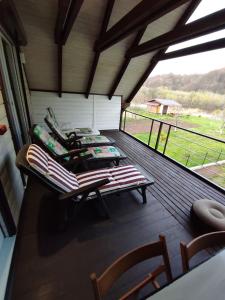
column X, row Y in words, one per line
column 140, row 16
column 205, row 25
column 74, row 9
column 204, row 47
column 108, row 11
column 11, row 22
column 60, row 53
column 125, row 64
column 153, row 62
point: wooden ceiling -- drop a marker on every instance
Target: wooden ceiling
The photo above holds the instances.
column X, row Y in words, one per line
column 89, row 46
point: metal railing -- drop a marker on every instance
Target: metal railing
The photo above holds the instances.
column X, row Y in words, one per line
column 203, row 154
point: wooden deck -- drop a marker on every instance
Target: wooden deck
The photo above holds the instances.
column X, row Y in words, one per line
column 49, row 265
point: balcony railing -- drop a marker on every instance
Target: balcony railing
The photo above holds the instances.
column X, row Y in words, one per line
column 198, row 152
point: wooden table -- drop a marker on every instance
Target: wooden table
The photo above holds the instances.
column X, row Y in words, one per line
column 205, row 282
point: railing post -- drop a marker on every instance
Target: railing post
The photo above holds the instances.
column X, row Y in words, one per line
column 158, row 137
column 167, row 138
column 124, row 122
column 188, row 159
column 204, row 158
column 219, row 155
column 150, row 133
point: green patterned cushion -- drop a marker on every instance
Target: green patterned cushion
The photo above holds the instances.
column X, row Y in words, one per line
column 103, row 152
column 49, row 141
column 94, row 139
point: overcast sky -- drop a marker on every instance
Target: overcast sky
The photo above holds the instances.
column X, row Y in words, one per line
column 197, row 63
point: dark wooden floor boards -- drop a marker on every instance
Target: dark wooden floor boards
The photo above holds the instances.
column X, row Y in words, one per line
column 49, row 265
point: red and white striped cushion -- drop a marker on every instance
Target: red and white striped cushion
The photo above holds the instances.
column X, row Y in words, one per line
column 43, row 163
column 120, row 177
column 37, row 159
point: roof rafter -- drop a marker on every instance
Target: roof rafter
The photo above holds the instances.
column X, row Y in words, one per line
column 71, row 16
column 140, row 16
column 208, row 46
column 126, row 62
column 205, row 25
column 11, row 22
column 108, row 11
column 67, row 13
column 63, row 8
column 153, row 62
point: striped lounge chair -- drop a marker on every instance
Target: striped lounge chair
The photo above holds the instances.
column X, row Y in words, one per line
column 33, row 161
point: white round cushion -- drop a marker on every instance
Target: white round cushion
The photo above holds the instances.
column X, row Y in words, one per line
column 211, row 212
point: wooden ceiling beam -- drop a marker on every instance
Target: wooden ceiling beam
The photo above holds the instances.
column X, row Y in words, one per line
column 11, row 22
column 63, row 9
column 153, row 62
column 200, row 27
column 67, row 13
column 204, row 47
column 108, row 11
column 125, row 64
column 140, row 16
column 74, row 9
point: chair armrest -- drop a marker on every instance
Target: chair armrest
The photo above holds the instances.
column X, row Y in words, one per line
column 74, row 162
column 71, row 139
column 84, row 190
column 72, row 153
column 72, row 133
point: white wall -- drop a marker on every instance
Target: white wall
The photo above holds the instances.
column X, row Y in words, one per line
column 97, row 111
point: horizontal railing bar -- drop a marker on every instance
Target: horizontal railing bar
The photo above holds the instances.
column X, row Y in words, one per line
column 184, row 129
column 209, row 149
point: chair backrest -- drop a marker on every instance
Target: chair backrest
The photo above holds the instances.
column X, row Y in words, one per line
column 200, row 243
column 49, row 143
column 51, row 113
column 32, row 160
column 55, row 128
column 102, row 284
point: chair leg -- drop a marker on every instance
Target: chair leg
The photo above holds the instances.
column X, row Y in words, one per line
column 143, row 191
column 63, row 217
column 103, row 205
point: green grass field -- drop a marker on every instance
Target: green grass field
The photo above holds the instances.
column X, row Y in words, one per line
column 186, row 148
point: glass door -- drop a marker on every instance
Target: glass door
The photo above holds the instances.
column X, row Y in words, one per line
column 12, row 96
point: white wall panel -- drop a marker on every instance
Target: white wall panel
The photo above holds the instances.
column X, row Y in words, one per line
column 96, row 111
column 107, row 112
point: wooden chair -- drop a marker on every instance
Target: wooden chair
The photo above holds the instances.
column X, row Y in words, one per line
column 200, row 243
column 102, row 284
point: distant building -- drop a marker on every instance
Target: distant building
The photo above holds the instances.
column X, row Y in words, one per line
column 161, row 106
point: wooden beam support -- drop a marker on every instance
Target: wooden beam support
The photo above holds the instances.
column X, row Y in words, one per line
column 108, row 11
column 140, row 16
column 11, row 22
column 63, row 9
column 200, row 27
column 204, row 47
column 125, row 63
column 60, row 53
column 67, row 13
column 71, row 16
column 153, row 62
